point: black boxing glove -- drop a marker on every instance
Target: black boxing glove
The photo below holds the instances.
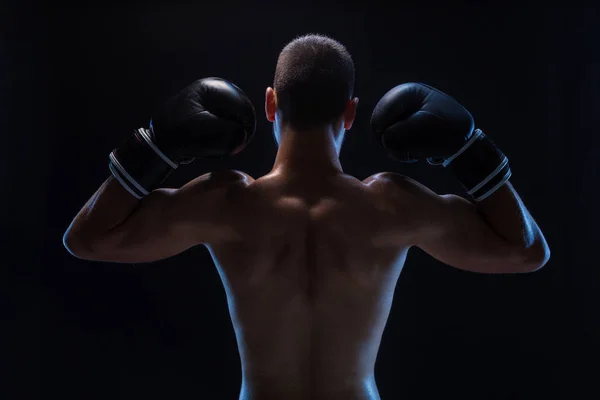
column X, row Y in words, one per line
column 211, row 118
column 414, row 121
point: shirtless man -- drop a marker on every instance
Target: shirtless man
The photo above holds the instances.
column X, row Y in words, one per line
column 309, row 256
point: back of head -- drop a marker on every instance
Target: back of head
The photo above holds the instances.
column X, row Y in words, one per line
column 314, row 80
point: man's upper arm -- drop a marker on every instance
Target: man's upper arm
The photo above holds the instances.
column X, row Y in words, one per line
column 170, row 221
column 450, row 229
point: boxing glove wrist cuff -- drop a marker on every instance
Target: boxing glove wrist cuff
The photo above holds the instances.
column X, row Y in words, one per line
column 146, row 135
column 480, row 166
column 138, row 165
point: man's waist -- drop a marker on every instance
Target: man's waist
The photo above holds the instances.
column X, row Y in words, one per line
column 310, row 387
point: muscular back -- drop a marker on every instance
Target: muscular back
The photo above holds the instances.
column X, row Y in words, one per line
column 309, row 279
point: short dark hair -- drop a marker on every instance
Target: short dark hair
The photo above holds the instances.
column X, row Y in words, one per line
column 314, row 80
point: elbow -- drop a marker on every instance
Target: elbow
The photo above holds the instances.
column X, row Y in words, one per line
column 90, row 248
column 535, row 258
column 77, row 247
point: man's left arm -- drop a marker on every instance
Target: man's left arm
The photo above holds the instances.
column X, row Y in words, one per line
column 130, row 219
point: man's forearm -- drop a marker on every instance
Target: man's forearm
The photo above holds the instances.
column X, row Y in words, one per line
column 507, row 215
column 109, row 207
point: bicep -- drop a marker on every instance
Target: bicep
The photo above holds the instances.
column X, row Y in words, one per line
column 169, row 221
column 157, row 229
column 456, row 234
column 450, row 229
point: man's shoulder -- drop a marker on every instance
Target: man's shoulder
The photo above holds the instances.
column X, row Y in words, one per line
column 220, row 179
column 211, row 200
column 214, row 190
column 394, row 181
column 230, row 176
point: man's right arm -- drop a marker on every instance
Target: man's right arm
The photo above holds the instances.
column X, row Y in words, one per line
column 495, row 235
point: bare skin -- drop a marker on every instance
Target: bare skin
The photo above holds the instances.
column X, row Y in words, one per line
column 309, row 256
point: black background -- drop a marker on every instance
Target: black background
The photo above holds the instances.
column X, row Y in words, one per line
column 76, row 80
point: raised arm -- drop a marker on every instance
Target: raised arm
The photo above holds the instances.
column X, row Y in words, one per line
column 130, row 218
column 115, row 227
column 496, row 235
column 490, row 232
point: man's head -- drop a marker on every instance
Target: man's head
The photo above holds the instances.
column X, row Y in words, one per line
column 313, row 86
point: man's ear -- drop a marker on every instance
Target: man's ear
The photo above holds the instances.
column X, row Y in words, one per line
column 350, row 113
column 270, row 104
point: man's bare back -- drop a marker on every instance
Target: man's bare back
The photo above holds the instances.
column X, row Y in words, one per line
column 309, row 284
column 309, row 256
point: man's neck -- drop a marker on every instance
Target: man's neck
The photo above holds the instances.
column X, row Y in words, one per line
column 313, row 153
